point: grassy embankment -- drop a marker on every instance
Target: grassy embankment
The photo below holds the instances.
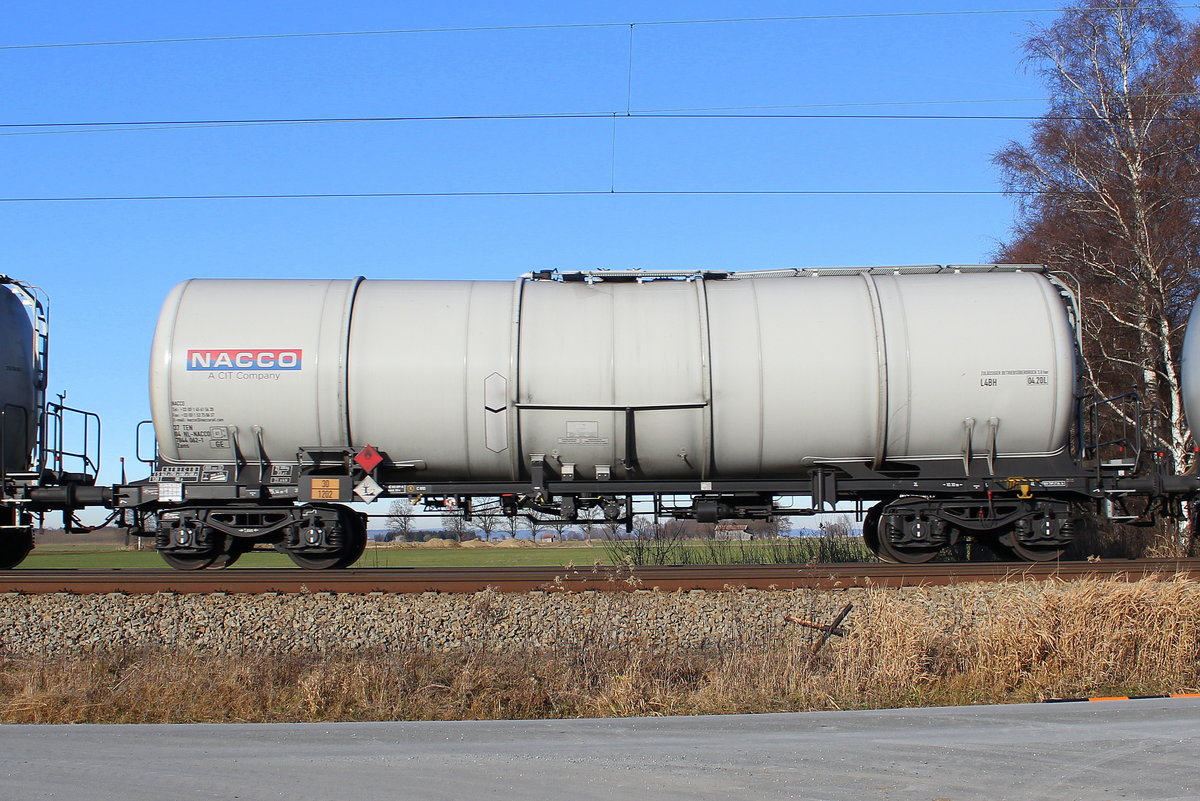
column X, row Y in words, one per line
column 1023, row 642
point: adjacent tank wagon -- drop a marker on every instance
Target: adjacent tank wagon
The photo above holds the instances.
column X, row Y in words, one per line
column 38, row 473
column 944, row 398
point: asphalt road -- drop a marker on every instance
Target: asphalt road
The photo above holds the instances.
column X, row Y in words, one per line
column 1112, row 750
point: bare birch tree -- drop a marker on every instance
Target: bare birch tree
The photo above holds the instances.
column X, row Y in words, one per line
column 454, row 524
column 1109, row 190
column 400, row 519
column 510, row 525
column 486, row 516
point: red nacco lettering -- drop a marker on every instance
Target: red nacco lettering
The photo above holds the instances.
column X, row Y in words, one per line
column 247, row 359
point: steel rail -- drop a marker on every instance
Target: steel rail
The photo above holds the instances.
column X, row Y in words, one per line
column 591, row 578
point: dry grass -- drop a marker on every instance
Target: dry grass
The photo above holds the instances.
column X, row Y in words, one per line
column 1026, row 643
column 771, row 551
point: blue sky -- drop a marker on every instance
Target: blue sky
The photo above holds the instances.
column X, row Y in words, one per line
column 107, row 265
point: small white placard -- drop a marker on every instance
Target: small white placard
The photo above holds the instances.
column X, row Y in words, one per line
column 368, row 489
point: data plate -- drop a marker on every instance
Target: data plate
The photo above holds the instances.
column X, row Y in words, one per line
column 170, row 491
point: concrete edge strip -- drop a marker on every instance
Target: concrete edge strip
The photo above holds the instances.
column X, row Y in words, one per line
column 1120, row 698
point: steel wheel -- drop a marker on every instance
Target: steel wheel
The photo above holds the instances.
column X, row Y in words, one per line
column 233, row 550
column 14, row 547
column 887, row 543
column 315, row 561
column 1003, row 552
column 870, row 529
column 322, row 561
column 896, row 554
column 188, row 561
column 224, row 551
column 1030, row 553
column 357, row 539
column 355, row 542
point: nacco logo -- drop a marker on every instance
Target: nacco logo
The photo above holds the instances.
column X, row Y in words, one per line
column 273, row 359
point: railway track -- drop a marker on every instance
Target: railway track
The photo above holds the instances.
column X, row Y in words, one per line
column 608, row 578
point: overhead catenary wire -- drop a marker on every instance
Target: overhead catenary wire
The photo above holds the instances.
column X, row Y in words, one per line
column 698, row 113
column 566, row 115
column 572, row 25
column 711, row 113
column 535, row 193
column 119, row 126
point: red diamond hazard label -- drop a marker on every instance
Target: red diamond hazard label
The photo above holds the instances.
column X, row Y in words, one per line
column 368, row 458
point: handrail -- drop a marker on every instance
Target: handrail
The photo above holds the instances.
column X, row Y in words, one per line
column 599, row 276
column 4, row 437
column 56, row 451
column 1130, row 437
column 137, row 444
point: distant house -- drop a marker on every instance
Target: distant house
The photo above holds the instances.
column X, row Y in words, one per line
column 732, row 531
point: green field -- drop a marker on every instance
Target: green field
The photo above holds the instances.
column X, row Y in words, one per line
column 52, row 558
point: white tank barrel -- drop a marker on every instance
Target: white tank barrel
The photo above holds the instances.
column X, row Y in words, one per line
column 727, row 376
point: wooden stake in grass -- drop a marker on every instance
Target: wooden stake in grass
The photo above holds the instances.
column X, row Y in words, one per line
column 833, row 628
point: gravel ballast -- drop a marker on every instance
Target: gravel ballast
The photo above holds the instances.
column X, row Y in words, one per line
column 63, row 623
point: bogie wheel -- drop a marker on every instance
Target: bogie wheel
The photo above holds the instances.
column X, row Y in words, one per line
column 354, row 539
column 889, row 551
column 887, row 540
column 233, row 550
column 189, row 561
column 357, row 539
column 1002, row 551
column 870, row 529
column 193, row 534
column 15, row 545
column 316, row 561
column 1018, row 551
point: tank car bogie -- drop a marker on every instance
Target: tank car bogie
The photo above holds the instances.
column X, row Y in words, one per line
column 915, row 529
column 315, row 536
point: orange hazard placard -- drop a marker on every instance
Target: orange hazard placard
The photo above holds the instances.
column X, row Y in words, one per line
column 330, row 488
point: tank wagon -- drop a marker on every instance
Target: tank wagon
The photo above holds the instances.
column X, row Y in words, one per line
column 943, row 401
column 35, row 474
